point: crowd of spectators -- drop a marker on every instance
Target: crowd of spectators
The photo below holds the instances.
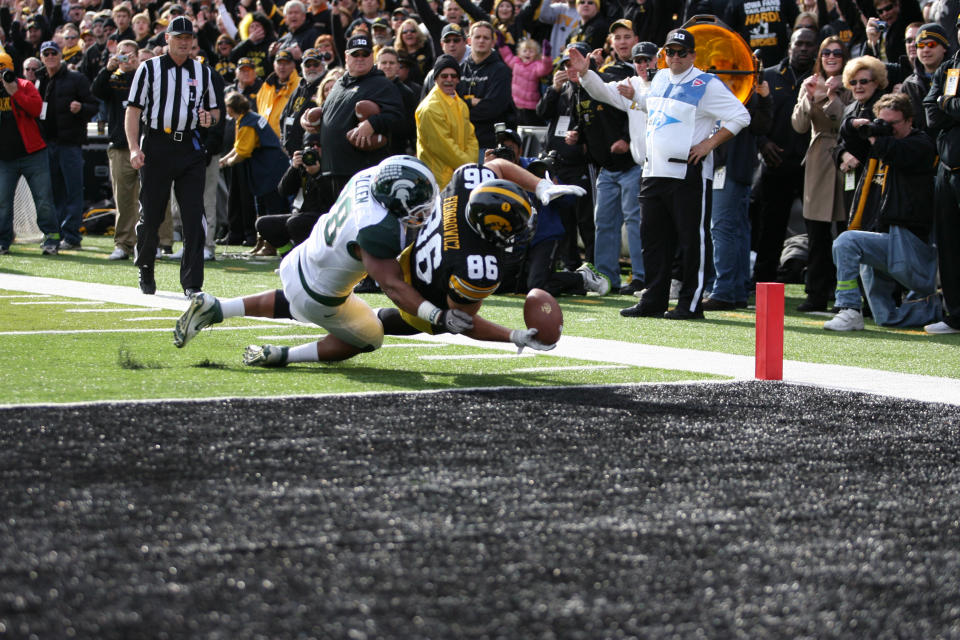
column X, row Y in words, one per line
column 445, row 79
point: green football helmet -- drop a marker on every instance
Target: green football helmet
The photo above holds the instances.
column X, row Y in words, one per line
column 406, row 188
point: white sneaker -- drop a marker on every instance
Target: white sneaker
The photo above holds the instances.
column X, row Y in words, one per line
column 208, row 255
column 176, row 255
column 203, row 311
column 593, row 280
column 118, row 254
column 940, row 328
column 845, row 320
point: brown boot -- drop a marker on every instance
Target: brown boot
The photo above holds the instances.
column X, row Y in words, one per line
column 266, row 250
column 258, row 247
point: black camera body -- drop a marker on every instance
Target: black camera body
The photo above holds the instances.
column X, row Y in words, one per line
column 875, row 129
column 310, row 157
column 326, row 56
column 505, row 152
column 9, row 76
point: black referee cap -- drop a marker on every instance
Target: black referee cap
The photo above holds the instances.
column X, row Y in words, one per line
column 179, row 26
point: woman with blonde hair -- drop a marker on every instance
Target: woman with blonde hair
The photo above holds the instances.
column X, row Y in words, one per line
column 412, row 41
column 819, row 110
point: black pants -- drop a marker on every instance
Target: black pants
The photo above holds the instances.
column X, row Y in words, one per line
column 576, row 215
column 774, row 195
column 184, row 165
column 675, row 215
column 241, row 208
column 947, row 229
column 535, row 270
column 821, row 281
column 278, row 230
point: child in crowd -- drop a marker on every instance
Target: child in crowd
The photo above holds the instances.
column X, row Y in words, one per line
column 528, row 67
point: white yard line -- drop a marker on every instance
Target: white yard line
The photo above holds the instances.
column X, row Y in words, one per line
column 887, row 383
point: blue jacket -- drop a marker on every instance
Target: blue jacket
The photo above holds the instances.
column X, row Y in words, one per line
column 268, row 163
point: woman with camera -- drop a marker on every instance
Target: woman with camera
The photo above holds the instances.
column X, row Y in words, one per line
column 819, row 110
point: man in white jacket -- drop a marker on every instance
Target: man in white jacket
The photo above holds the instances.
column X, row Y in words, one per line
column 684, row 106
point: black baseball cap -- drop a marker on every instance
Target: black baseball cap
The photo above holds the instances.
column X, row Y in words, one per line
column 359, row 42
column 643, row 50
column 582, row 47
column 180, row 25
column 451, row 30
column 681, row 37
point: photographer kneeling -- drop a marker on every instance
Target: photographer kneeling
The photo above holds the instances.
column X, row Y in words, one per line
column 888, row 238
column 285, row 231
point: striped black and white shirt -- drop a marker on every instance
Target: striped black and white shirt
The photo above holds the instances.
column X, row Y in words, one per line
column 170, row 95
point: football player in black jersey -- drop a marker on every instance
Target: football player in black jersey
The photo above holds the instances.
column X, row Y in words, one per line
column 455, row 262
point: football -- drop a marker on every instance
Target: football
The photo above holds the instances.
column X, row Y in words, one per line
column 365, row 108
column 311, row 119
column 541, row 311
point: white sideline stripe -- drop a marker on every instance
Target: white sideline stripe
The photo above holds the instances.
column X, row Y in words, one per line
column 474, row 356
column 67, row 332
column 586, row 368
column 110, row 310
column 146, row 318
column 58, row 302
column 26, row 295
column 847, row 378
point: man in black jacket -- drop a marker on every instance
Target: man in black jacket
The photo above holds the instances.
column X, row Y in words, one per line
column 943, row 119
column 291, row 131
column 782, row 151
column 112, row 85
column 485, row 86
column 69, row 105
column 892, row 214
column 340, row 158
column 932, row 46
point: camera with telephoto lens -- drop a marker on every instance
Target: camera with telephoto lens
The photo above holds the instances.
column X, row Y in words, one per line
column 310, row 157
column 875, row 129
column 505, row 152
column 9, row 76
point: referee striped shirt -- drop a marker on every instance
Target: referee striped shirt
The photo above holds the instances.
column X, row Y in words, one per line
column 170, row 95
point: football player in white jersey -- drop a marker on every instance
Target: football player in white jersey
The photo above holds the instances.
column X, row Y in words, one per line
column 362, row 234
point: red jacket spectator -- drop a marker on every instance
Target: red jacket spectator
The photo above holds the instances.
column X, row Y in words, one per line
column 26, row 104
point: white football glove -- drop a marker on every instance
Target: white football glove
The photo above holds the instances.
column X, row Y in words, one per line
column 547, row 191
column 525, row 338
column 455, row 321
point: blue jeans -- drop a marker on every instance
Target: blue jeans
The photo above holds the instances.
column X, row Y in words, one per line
column 36, row 169
column 730, row 230
column 618, row 204
column 865, row 253
column 66, row 175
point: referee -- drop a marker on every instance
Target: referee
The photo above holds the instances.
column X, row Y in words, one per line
column 173, row 95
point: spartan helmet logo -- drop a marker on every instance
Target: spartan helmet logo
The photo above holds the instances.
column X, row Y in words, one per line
column 402, row 189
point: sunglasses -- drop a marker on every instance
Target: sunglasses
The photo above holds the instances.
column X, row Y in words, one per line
column 49, row 52
column 453, row 39
column 927, row 44
column 360, row 53
column 640, row 60
column 861, row 81
column 586, row 2
column 409, row 31
column 448, row 76
column 311, row 63
column 884, row 9
column 832, row 53
column 675, row 53
column 31, row 69
column 70, row 37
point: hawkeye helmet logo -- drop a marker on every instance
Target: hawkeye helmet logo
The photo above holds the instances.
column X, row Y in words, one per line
column 494, row 222
column 660, row 119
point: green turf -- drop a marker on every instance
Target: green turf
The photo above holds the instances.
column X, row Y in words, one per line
column 91, row 359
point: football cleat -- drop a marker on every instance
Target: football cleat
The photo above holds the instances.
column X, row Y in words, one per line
column 593, row 280
column 204, row 310
column 268, row 355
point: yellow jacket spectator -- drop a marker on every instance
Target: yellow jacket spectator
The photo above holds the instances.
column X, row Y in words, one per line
column 445, row 135
column 277, row 89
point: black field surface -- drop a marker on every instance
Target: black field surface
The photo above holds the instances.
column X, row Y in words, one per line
column 753, row 510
